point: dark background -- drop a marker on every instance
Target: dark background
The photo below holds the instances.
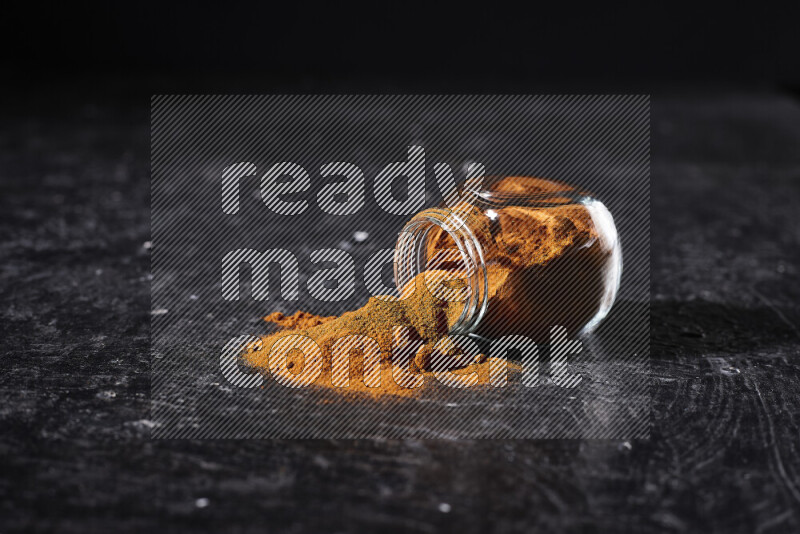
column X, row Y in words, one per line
column 75, row 453
column 266, row 46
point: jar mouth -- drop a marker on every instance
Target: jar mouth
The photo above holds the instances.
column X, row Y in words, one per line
column 411, row 258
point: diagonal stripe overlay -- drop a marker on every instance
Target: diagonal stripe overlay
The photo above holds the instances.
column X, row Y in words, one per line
column 216, row 188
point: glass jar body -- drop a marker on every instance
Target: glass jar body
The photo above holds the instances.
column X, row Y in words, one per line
column 533, row 254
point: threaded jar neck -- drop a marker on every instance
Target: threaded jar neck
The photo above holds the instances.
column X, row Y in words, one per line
column 411, row 258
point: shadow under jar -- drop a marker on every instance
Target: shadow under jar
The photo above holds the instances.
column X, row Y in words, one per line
column 531, row 253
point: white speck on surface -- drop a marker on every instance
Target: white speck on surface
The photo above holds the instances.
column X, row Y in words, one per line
column 147, row 245
column 322, row 462
column 98, row 272
column 730, row 370
column 625, row 446
column 445, row 508
column 159, row 311
column 107, row 394
column 144, row 423
column 193, row 297
column 202, row 502
column 360, row 236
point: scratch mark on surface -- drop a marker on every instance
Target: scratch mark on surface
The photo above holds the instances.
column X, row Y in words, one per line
column 774, row 522
column 774, row 446
column 777, row 311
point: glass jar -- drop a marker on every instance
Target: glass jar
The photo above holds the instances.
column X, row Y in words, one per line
column 531, row 254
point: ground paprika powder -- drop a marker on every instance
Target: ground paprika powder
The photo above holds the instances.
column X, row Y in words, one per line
column 516, row 255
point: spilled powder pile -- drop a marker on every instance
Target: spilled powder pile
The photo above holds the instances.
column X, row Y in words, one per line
column 545, row 267
column 426, row 318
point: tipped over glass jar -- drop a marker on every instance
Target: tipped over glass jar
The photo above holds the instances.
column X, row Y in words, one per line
column 531, row 254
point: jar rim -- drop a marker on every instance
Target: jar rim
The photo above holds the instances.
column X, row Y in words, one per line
column 409, row 261
column 561, row 194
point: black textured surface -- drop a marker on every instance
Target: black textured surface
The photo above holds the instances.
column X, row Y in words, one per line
column 75, row 454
